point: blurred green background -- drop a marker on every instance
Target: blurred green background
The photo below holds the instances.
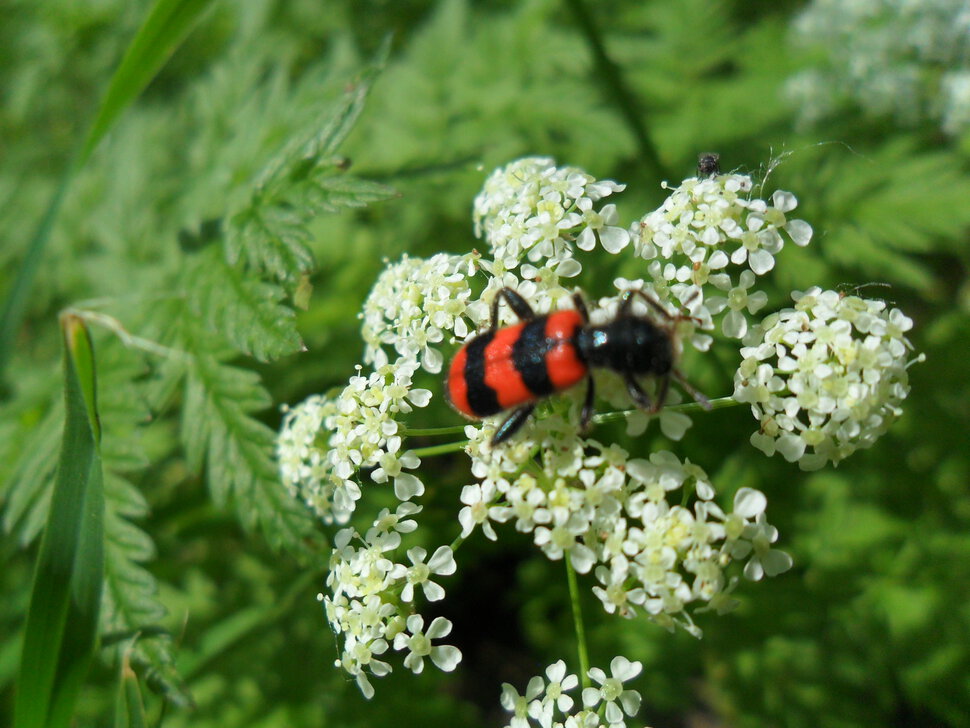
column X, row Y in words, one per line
column 871, row 627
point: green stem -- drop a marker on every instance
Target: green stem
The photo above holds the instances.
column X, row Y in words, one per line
column 612, row 79
column 432, row 431
column 578, row 622
column 716, row 404
column 440, row 449
column 459, row 540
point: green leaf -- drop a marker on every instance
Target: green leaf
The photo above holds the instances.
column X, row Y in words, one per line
column 131, row 601
column 219, row 432
column 270, row 233
column 244, row 309
column 62, row 621
column 335, row 192
column 165, row 28
column 25, row 492
column 129, row 708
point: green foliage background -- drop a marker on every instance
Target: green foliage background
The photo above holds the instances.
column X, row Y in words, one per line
column 229, row 186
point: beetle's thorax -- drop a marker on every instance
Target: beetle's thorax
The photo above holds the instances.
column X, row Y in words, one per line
column 630, row 345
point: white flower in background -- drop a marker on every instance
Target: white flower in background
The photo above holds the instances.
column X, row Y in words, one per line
column 711, row 237
column 955, row 88
column 519, row 705
column 532, row 210
column 548, row 705
column 827, row 378
column 414, row 305
column 324, row 442
column 907, row 59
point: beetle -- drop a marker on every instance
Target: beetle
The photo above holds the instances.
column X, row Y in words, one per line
column 512, row 367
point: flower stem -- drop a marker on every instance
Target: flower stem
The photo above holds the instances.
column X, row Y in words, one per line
column 719, row 403
column 432, row 431
column 578, row 622
column 440, row 449
column 454, row 545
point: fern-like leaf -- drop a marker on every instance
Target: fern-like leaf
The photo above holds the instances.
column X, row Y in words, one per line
column 236, row 450
column 245, row 310
column 131, row 604
column 269, row 234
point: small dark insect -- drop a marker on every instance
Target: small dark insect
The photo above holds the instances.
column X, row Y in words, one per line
column 511, row 368
column 848, row 289
column 708, row 164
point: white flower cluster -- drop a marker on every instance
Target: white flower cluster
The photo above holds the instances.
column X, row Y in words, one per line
column 611, row 515
column 414, row 305
column 826, row 377
column 711, row 235
column 370, row 594
column 547, row 703
column 535, row 210
column 324, row 442
column 891, row 57
column 647, row 529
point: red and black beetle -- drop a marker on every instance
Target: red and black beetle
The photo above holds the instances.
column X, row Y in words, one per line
column 511, row 368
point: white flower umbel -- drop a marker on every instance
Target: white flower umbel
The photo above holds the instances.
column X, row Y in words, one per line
column 414, row 305
column 826, row 377
column 610, row 514
column 324, row 442
column 533, row 210
column 910, row 60
column 710, row 239
column 366, row 597
column 547, row 702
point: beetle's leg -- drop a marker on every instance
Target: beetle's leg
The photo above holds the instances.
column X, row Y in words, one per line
column 518, row 304
column 512, row 424
column 626, row 303
column 640, row 398
column 580, row 305
column 691, row 390
column 587, row 415
column 663, row 387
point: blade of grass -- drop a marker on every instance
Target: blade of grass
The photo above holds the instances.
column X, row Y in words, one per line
column 129, row 707
column 62, row 621
column 166, row 26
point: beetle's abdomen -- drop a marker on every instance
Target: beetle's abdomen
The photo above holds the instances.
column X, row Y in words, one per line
column 502, row 369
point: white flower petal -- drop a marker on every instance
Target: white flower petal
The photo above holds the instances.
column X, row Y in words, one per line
column 446, row 657
column 407, row 486
column 749, row 503
column 614, row 239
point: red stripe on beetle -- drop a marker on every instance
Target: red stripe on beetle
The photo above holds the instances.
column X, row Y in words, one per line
column 501, row 374
column 562, row 362
column 458, row 385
